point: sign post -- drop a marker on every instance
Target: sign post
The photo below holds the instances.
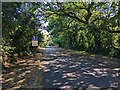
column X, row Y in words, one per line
column 34, row 44
column 35, row 41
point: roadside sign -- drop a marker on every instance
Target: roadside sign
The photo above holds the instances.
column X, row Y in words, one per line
column 35, row 41
column 35, row 38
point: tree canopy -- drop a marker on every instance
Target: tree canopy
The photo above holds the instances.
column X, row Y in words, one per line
column 89, row 26
column 94, row 27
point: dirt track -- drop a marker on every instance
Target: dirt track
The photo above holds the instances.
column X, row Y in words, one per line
column 62, row 70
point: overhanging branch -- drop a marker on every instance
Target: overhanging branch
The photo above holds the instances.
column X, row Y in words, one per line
column 110, row 31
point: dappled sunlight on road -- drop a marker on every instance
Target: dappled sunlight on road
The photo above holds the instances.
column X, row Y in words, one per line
column 16, row 76
column 62, row 70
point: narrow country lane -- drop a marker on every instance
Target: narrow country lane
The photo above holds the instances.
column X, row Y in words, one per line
column 62, row 70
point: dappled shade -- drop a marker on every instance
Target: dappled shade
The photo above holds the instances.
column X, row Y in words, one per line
column 20, row 74
column 65, row 70
column 78, row 30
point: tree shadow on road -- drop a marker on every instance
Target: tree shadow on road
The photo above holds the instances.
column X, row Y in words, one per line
column 62, row 70
column 20, row 74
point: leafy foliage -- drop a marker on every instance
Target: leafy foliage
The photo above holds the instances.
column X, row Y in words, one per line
column 93, row 27
column 19, row 26
column 86, row 26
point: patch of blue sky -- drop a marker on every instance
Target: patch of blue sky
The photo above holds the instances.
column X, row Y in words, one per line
column 112, row 14
column 19, row 10
column 108, row 7
column 101, row 10
column 117, row 8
